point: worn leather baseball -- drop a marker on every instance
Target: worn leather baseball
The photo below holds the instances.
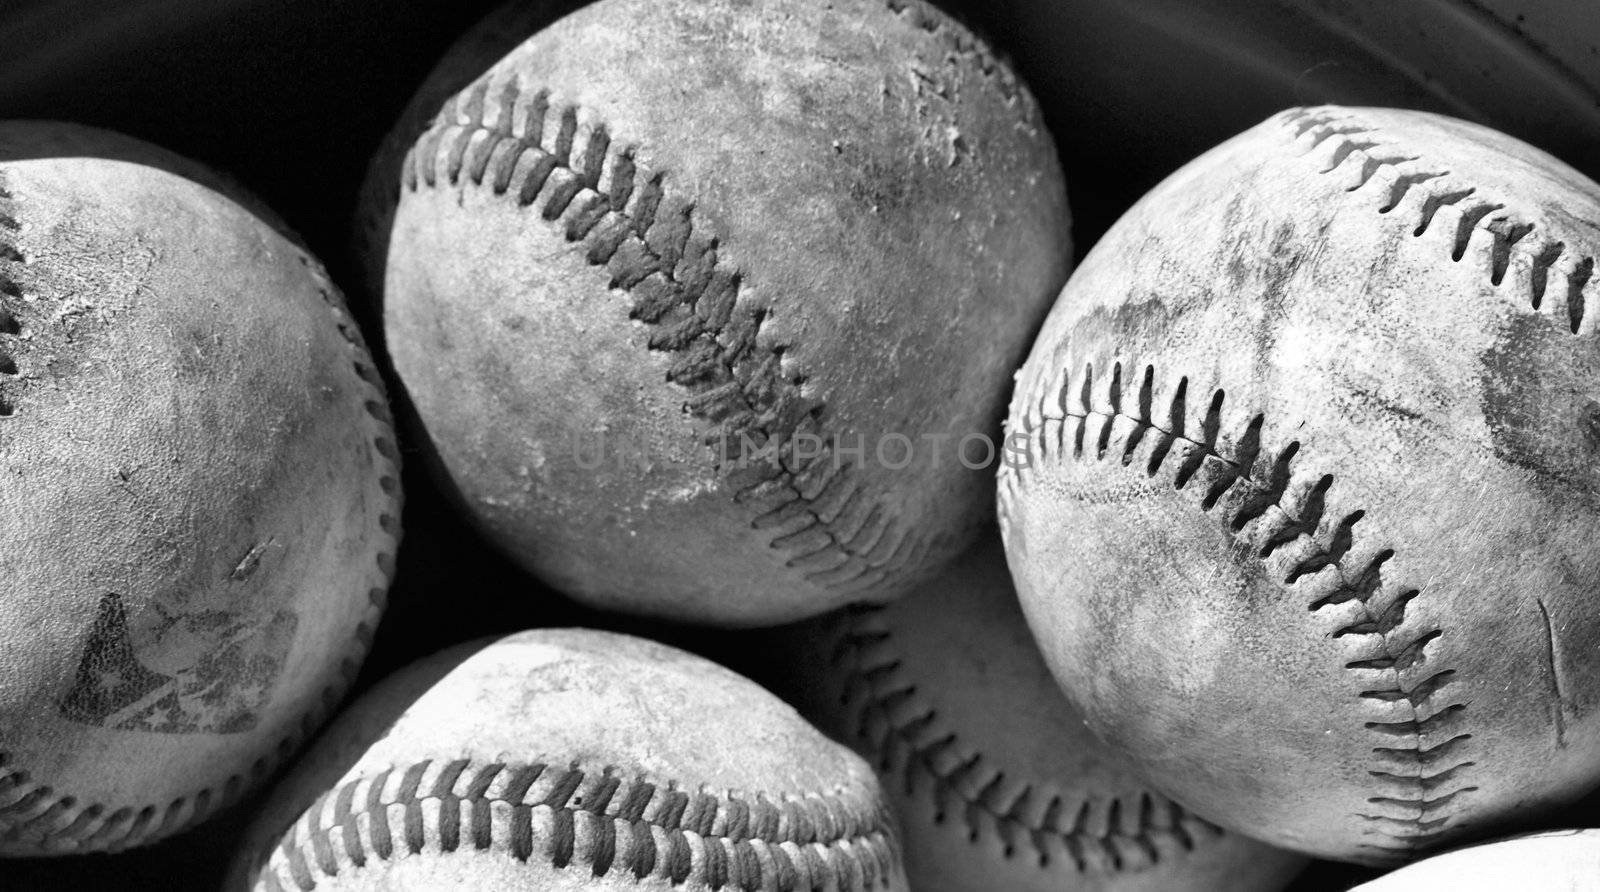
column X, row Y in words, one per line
column 1302, row 496
column 1553, row 861
column 997, row 783
column 657, row 273
column 200, row 496
column 573, row 759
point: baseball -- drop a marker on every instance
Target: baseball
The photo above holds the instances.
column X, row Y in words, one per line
column 567, row 759
column 997, row 783
column 1302, row 493
column 200, row 496
column 1554, row 860
column 702, row 304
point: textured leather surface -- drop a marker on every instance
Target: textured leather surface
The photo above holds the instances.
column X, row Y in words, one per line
column 200, row 498
column 850, row 238
column 996, row 779
column 1557, row 861
column 570, row 758
column 1309, row 527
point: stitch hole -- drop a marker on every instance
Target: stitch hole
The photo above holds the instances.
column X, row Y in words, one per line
column 1346, row 148
column 1277, row 480
column 1576, row 282
column 1159, row 455
column 1211, row 427
column 9, row 324
column 1362, row 588
column 1403, row 185
column 8, row 366
column 1249, row 446
column 1147, row 395
column 1180, row 407
column 1224, row 483
column 1470, row 219
column 7, row 408
column 1506, row 233
column 1540, row 275
column 1103, row 441
column 1432, row 204
column 1342, row 537
column 1186, row 471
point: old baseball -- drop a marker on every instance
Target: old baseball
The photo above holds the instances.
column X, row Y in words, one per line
column 1552, row 861
column 702, row 304
column 996, row 780
column 199, row 501
column 1303, row 492
column 572, row 759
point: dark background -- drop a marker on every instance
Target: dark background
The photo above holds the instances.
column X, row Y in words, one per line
column 292, row 97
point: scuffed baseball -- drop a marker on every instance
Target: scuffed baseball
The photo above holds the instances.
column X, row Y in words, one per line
column 698, row 302
column 1303, row 495
column 1553, row 861
column 199, row 501
column 572, row 759
column 997, row 783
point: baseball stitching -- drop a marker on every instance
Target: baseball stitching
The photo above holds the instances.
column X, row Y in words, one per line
column 560, row 162
column 902, row 729
column 1510, row 236
column 961, row 42
column 10, row 302
column 1420, row 760
column 44, row 816
column 629, row 827
column 379, row 202
column 1269, row 508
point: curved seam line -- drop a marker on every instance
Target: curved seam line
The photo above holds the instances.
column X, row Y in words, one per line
column 832, row 837
column 1415, row 831
column 1510, row 234
column 858, row 676
column 570, row 170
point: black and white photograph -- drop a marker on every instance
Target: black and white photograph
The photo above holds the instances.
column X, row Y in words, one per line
column 800, row 445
